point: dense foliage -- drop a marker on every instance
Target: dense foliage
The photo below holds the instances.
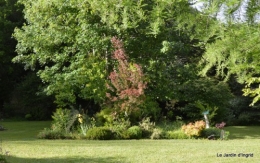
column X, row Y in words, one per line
column 10, row 17
column 175, row 63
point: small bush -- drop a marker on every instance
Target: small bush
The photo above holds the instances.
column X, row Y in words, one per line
column 64, row 120
column 2, row 159
column 194, row 129
column 150, row 108
column 99, row 133
column 119, row 128
column 147, row 127
column 157, row 134
column 211, row 131
column 60, row 119
column 85, row 123
column 176, row 134
column 121, row 134
column 28, row 117
column 226, row 135
column 135, row 132
column 51, row 134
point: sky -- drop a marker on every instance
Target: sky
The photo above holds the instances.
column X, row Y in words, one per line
column 239, row 15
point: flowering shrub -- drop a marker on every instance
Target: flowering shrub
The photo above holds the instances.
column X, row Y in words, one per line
column 194, row 129
column 220, row 125
column 147, row 127
column 86, row 123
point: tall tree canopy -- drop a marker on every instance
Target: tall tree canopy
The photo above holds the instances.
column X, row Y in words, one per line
column 236, row 50
column 67, row 42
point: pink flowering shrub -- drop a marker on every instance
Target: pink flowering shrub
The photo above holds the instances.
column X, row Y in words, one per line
column 126, row 82
column 220, row 125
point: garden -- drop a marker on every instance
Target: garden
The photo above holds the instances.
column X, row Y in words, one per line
column 19, row 144
column 129, row 81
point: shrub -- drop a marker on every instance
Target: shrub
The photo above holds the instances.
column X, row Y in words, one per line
column 121, row 134
column 119, row 128
column 104, row 116
column 28, row 117
column 74, row 135
column 157, row 134
column 226, row 135
column 51, row 134
column 99, row 133
column 147, row 127
column 194, row 129
column 220, row 125
column 170, row 126
column 63, row 119
column 2, row 159
column 135, row 132
column 210, row 131
column 60, row 119
column 150, row 108
column 85, row 123
column 176, row 134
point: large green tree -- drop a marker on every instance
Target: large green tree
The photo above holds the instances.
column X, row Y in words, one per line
column 68, row 44
column 68, row 41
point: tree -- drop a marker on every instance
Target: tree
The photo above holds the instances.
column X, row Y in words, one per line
column 63, row 42
column 235, row 52
column 68, row 42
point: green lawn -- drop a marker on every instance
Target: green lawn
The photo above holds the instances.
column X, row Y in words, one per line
column 20, row 140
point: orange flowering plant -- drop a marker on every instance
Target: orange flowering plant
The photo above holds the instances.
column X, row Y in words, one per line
column 194, row 129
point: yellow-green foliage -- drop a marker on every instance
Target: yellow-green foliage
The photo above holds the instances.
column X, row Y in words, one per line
column 176, row 134
column 135, row 132
column 194, row 129
column 99, row 133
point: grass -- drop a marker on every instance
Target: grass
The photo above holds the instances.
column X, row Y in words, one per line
column 244, row 132
column 21, row 141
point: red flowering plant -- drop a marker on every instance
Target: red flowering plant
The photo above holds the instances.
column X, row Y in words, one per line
column 126, row 82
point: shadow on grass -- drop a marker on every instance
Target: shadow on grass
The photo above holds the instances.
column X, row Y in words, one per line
column 244, row 132
column 22, row 130
column 66, row 160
